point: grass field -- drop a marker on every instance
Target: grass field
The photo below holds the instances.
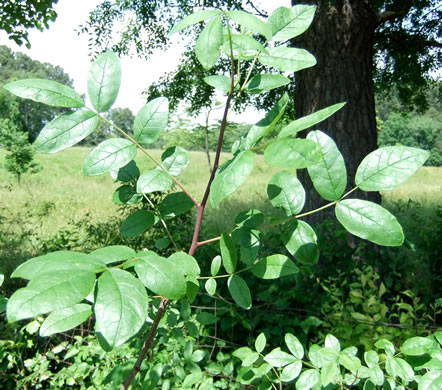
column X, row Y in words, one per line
column 60, row 192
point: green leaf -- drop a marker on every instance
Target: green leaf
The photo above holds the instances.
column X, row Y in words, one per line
column 308, row 379
column 151, row 120
column 265, row 125
column 121, row 305
column 432, row 380
column 65, row 131
column 329, row 373
column 210, row 286
column 399, row 367
column 250, row 22
column 136, row 223
column 231, row 175
column 249, row 219
column 301, row 242
column 294, row 346
column 194, row 18
column 260, row 342
column 286, row 191
column 308, row 121
column 266, row 82
column 291, row 371
column 274, row 267
column 292, row 153
column 371, row 358
column 55, row 262
column 239, row 291
column 153, row 180
column 278, row 358
column 207, row 46
column 329, row 176
column 113, row 253
column 130, row 172
column 2, row 279
column 220, row 82
column 332, row 343
column 228, row 253
column 243, row 47
column 351, row 363
column 161, row 275
column 111, row 154
column 175, row 204
column 175, row 159
column 248, row 240
column 48, row 292
column 215, row 265
column 104, row 80
column 126, row 195
column 369, row 221
column 387, row 167
column 48, row 92
column 287, row 59
column 416, row 346
column 65, row 319
column 187, row 264
column 385, row 345
column 287, row 23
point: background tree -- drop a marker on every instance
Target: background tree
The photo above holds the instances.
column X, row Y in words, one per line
column 16, row 17
column 360, row 46
column 15, row 66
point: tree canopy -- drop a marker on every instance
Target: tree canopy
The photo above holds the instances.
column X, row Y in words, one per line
column 16, row 17
column 405, row 49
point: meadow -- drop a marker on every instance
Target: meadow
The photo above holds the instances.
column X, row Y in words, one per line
column 60, row 192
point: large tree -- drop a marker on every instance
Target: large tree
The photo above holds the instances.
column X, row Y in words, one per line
column 360, row 45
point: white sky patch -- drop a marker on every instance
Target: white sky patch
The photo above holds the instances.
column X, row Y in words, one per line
column 61, row 45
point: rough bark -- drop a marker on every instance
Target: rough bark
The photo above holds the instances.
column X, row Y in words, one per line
column 341, row 39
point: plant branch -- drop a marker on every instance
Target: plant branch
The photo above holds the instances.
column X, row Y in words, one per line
column 147, row 344
column 144, row 151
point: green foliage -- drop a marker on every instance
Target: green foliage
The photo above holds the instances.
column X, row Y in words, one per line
column 128, row 291
column 20, row 157
column 422, row 131
column 17, row 17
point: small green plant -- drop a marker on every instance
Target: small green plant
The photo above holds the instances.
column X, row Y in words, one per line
column 128, row 291
column 20, row 157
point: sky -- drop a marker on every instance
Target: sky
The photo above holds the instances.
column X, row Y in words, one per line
column 61, row 45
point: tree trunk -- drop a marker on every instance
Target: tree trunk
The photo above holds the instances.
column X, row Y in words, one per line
column 341, row 39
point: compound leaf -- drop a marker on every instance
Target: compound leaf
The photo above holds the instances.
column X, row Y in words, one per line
column 110, row 155
column 48, row 92
column 292, row 153
column 287, row 59
column 207, row 47
column 65, row 131
column 136, row 223
column 120, row 306
column 287, row 23
column 309, row 120
column 329, row 176
column 161, row 275
column 104, row 80
column 231, row 175
column 286, row 191
column 65, row 319
column 369, row 221
column 193, row 19
column 274, row 267
column 48, row 292
column 153, row 180
column 239, row 291
column 151, row 120
column 387, row 167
